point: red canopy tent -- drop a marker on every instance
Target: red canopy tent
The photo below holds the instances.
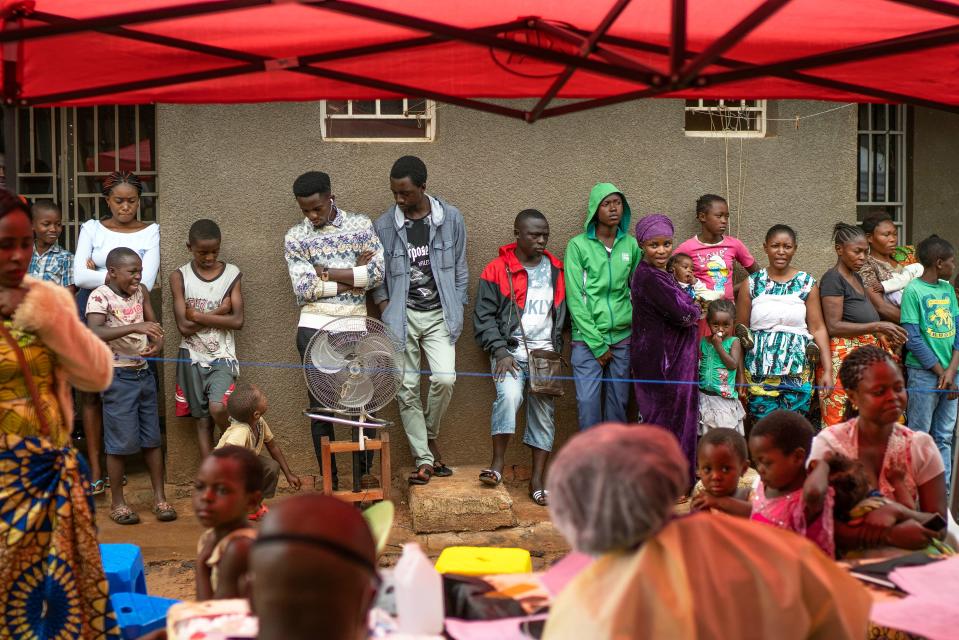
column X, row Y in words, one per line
column 77, row 52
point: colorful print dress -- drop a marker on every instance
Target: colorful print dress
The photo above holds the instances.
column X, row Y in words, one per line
column 52, row 583
column 776, row 367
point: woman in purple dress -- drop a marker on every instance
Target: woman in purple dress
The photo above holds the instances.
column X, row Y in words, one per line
column 664, row 342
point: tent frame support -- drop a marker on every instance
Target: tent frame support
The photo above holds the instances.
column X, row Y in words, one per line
column 686, row 69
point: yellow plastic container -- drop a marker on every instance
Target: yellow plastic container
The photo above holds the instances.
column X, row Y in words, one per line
column 483, row 561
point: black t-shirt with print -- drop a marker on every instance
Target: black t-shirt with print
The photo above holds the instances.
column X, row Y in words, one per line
column 423, row 295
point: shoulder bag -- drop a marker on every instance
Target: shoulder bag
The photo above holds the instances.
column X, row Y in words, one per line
column 545, row 365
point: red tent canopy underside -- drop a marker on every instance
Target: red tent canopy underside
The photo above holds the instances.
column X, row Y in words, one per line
column 76, row 52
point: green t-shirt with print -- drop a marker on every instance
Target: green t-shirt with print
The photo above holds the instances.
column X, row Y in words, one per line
column 934, row 309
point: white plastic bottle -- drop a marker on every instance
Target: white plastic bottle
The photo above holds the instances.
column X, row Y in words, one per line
column 419, row 593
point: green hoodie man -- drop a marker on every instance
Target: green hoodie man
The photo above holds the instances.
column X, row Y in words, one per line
column 598, row 268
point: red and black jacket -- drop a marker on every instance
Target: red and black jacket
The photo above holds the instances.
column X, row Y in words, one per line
column 495, row 318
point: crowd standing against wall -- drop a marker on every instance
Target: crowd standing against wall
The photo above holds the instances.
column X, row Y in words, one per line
column 631, row 301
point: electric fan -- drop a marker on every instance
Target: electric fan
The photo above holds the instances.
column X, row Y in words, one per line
column 350, row 366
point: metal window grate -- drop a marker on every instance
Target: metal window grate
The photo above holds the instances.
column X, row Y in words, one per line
column 725, row 118
column 386, row 120
column 62, row 154
column 881, row 175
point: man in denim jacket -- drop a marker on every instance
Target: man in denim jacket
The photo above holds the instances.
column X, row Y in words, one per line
column 422, row 300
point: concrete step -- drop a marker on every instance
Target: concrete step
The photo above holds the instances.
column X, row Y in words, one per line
column 460, row 503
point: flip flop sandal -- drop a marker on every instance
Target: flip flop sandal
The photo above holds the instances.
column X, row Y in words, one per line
column 124, row 515
column 164, row 512
column 422, row 475
column 440, row 470
column 97, row 487
column 490, row 477
column 540, row 497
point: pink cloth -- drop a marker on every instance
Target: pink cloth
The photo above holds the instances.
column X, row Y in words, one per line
column 789, row 512
column 713, row 263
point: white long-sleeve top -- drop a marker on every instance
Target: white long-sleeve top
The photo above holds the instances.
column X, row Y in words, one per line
column 96, row 241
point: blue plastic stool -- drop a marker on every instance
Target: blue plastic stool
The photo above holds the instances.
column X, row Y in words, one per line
column 139, row 614
column 123, row 564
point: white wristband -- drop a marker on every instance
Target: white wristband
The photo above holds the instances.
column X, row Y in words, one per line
column 360, row 277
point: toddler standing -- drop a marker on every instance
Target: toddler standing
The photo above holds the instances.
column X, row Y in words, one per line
column 787, row 496
column 120, row 313
column 720, row 359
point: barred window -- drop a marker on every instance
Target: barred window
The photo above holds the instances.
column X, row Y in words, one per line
column 881, row 183
column 725, row 118
column 63, row 154
column 393, row 120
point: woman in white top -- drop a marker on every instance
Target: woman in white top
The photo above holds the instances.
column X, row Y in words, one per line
column 121, row 190
column 780, row 304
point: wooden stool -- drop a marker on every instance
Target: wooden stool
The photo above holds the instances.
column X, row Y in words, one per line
column 365, row 495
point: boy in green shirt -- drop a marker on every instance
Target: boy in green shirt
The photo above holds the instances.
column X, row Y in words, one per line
column 928, row 314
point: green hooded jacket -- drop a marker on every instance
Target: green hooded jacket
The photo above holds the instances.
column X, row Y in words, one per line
column 597, row 280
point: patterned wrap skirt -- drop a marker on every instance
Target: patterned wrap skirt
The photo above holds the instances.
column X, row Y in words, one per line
column 52, row 583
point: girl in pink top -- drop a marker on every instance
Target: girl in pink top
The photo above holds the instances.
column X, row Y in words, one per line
column 713, row 252
column 788, row 497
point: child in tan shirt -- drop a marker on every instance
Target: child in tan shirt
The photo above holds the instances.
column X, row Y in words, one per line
column 249, row 430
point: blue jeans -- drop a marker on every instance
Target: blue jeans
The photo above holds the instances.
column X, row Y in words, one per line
column 592, row 380
column 510, row 392
column 930, row 411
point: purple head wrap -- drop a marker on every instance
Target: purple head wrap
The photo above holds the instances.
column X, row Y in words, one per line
column 655, row 224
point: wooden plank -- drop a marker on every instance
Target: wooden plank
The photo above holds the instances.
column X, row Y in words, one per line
column 368, row 495
column 349, row 447
column 326, row 466
column 385, row 478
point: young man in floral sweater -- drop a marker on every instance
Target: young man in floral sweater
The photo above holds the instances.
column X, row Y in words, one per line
column 334, row 257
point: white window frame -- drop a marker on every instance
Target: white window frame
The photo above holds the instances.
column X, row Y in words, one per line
column 429, row 121
column 724, row 110
column 892, row 206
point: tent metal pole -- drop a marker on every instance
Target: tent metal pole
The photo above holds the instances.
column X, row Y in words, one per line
column 232, row 54
column 585, row 49
column 905, row 44
column 91, row 92
column 731, row 38
column 480, row 38
column 677, row 45
column 584, row 105
column 406, row 90
column 132, row 17
column 934, row 6
column 579, row 36
column 61, row 97
column 881, row 94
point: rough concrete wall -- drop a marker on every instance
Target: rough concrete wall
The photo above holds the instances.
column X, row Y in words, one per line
column 235, row 164
column 935, row 165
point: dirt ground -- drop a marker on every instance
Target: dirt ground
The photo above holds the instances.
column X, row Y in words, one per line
column 169, row 549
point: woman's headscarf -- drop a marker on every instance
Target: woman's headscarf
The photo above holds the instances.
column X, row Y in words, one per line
column 653, row 225
column 614, row 486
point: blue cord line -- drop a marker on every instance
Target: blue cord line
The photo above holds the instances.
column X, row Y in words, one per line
column 482, row 374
